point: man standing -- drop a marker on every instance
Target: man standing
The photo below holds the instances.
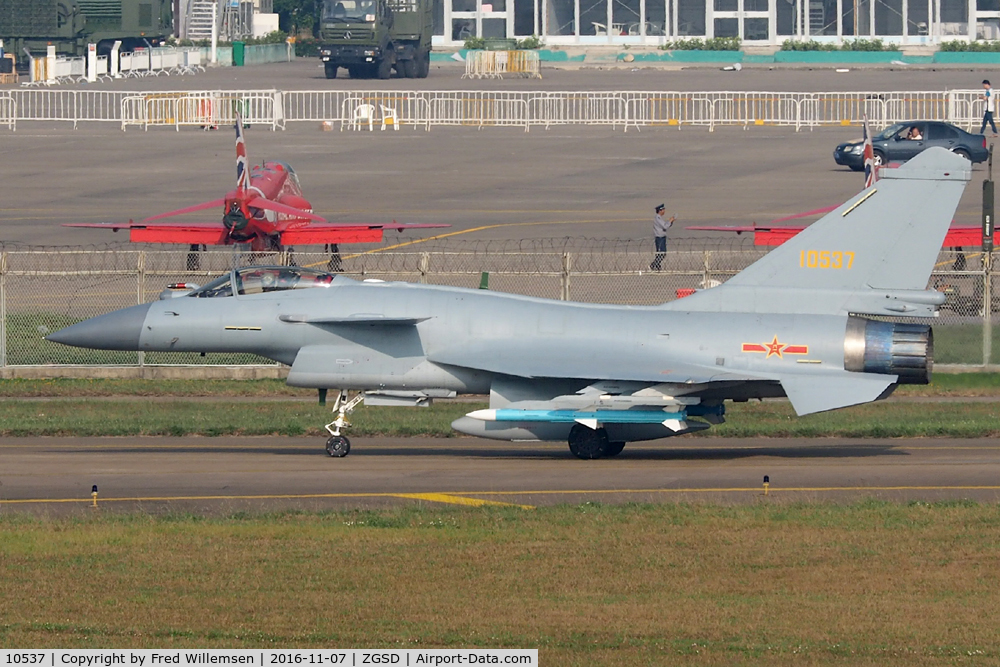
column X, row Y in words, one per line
column 660, row 227
column 990, row 108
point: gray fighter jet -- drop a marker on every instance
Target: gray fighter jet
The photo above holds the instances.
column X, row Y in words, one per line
column 802, row 322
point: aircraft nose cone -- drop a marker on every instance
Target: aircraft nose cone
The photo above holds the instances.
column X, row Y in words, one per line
column 115, row 331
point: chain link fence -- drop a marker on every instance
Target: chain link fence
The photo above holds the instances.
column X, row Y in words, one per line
column 43, row 289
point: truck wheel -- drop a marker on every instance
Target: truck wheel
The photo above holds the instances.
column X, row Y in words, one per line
column 423, row 62
column 331, row 70
column 384, row 68
column 407, row 68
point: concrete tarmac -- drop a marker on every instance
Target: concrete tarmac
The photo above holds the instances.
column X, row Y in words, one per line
column 228, row 474
column 494, row 184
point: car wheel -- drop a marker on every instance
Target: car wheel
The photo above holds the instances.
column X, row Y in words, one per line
column 962, row 153
column 879, row 159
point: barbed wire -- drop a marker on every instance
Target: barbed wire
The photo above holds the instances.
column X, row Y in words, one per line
column 452, row 245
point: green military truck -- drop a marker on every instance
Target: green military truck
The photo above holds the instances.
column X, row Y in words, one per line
column 72, row 24
column 371, row 37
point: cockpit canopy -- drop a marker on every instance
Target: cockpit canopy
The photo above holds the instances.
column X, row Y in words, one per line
column 260, row 279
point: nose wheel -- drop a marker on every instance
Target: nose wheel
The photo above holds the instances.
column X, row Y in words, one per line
column 339, row 446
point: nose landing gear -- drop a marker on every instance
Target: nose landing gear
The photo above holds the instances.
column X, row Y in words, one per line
column 338, row 445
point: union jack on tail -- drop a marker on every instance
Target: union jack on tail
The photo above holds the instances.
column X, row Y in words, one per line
column 242, row 166
column 871, row 169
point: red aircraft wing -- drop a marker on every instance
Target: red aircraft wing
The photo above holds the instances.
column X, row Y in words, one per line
column 297, row 233
column 957, row 237
column 206, row 233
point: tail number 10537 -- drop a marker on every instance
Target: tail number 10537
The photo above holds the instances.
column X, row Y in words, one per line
column 826, row 259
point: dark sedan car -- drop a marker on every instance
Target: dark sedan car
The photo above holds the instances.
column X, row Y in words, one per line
column 903, row 141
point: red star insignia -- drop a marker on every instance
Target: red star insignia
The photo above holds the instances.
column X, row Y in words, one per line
column 774, row 347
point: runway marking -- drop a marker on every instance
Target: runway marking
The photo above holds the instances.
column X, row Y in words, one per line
column 458, row 500
column 53, row 443
column 758, row 489
column 430, row 497
column 469, row 231
column 467, row 497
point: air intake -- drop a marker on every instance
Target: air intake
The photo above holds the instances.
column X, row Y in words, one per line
column 889, row 348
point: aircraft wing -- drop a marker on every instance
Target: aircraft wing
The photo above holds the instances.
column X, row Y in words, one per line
column 207, row 233
column 322, row 233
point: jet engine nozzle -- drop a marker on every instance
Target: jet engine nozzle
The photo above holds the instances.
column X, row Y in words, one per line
column 889, row 348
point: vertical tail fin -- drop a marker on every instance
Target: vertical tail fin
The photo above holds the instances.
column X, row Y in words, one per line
column 242, row 165
column 874, row 254
column 871, row 169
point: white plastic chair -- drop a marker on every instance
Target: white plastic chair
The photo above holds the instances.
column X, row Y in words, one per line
column 599, row 28
column 363, row 113
column 389, row 113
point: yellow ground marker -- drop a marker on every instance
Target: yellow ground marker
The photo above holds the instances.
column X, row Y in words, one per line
column 430, row 497
column 469, row 231
column 466, row 497
column 457, row 500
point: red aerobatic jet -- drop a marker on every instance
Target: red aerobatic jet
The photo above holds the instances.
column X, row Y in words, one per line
column 267, row 211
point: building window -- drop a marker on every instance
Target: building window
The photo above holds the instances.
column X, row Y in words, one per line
column 691, row 18
column 561, row 17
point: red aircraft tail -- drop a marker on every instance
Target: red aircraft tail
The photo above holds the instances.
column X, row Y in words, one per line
column 239, row 202
column 242, row 166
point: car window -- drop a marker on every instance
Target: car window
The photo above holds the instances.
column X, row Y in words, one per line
column 891, row 131
column 939, row 132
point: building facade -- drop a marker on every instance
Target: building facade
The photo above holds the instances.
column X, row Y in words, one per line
column 756, row 22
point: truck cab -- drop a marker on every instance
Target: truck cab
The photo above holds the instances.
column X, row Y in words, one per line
column 371, row 37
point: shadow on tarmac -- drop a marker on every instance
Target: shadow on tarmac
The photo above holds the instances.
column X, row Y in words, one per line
column 536, row 452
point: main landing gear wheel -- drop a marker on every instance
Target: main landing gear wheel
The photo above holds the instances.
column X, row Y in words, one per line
column 614, row 448
column 588, row 443
column 338, row 446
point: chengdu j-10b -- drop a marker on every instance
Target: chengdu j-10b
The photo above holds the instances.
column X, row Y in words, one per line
column 802, row 322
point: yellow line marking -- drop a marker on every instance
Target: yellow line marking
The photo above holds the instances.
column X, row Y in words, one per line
column 52, row 442
column 742, row 489
column 430, row 497
column 457, row 500
column 970, row 255
column 465, row 497
column 469, row 231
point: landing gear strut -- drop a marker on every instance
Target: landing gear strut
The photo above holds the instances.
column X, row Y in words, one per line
column 339, row 446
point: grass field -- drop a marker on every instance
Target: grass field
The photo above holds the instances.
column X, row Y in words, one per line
column 788, row 584
column 962, row 343
column 218, row 417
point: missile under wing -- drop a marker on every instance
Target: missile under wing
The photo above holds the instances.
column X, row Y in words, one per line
column 802, row 322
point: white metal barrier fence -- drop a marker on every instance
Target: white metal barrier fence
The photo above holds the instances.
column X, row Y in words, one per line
column 204, row 109
column 480, row 108
column 495, row 64
column 8, row 110
column 43, row 290
column 141, row 62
